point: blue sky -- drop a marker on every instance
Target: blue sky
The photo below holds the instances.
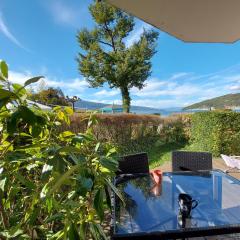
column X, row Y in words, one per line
column 38, row 37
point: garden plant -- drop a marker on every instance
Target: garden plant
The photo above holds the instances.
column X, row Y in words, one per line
column 53, row 184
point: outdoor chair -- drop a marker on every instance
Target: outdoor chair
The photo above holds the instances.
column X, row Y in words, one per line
column 232, row 162
column 129, row 164
column 191, row 161
column 132, row 164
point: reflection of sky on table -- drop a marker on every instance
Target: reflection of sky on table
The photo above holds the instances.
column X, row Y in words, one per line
column 218, row 196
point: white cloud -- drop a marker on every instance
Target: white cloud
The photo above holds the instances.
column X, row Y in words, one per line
column 182, row 89
column 4, row 29
column 180, row 75
column 64, row 13
column 179, row 89
column 135, row 35
column 105, row 93
column 68, row 85
column 19, row 77
column 235, row 87
column 156, row 88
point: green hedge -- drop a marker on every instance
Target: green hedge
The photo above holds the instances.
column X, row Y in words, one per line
column 132, row 133
column 216, row 132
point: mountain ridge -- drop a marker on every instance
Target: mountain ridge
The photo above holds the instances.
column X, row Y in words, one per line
column 225, row 101
column 83, row 104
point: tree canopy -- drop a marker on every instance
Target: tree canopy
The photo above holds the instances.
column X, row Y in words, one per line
column 54, row 96
column 105, row 56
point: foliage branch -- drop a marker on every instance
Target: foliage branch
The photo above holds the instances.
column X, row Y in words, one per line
column 53, row 185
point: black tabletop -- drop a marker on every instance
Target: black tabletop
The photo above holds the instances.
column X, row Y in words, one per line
column 149, row 208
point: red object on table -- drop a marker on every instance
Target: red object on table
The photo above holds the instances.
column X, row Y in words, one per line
column 156, row 176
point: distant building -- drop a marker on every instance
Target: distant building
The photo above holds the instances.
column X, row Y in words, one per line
column 111, row 109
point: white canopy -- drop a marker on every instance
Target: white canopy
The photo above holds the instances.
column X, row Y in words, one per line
column 189, row 20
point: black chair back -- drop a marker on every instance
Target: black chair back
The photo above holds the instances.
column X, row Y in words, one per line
column 136, row 163
column 191, row 161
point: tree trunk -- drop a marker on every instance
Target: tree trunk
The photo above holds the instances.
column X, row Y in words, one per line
column 126, row 100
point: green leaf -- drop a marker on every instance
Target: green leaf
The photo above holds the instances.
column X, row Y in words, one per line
column 94, row 231
column 32, row 80
column 33, row 215
column 66, row 134
column 86, row 183
column 6, row 94
column 73, row 233
column 27, row 115
column 22, row 113
column 86, row 137
column 100, row 231
column 111, row 151
column 110, row 164
column 116, row 191
column 97, row 231
column 77, row 159
column 2, row 78
column 36, row 130
column 92, row 120
column 2, row 184
column 58, row 164
column 83, row 185
column 12, row 123
column 83, row 230
column 108, row 196
column 63, row 178
column 68, row 110
column 57, row 216
column 4, row 69
column 40, row 120
column 13, row 233
column 69, row 149
column 25, row 181
column 97, row 146
column 98, row 203
column 19, row 89
column 57, row 108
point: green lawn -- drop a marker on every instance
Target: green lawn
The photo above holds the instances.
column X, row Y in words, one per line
column 162, row 153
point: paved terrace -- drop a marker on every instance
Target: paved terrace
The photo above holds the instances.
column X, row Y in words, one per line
column 218, row 163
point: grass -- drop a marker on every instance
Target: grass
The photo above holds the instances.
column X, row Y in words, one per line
column 161, row 153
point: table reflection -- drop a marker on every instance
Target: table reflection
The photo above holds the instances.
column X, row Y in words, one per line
column 155, row 208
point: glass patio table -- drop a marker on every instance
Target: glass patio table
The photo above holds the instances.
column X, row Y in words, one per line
column 151, row 212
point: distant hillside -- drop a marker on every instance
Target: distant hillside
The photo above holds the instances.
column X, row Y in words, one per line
column 225, row 101
column 89, row 105
column 95, row 105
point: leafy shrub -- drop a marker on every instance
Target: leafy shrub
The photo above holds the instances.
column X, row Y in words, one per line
column 53, row 185
column 175, row 129
column 216, row 131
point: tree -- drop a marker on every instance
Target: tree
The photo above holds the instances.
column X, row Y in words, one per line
column 105, row 57
column 54, row 96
